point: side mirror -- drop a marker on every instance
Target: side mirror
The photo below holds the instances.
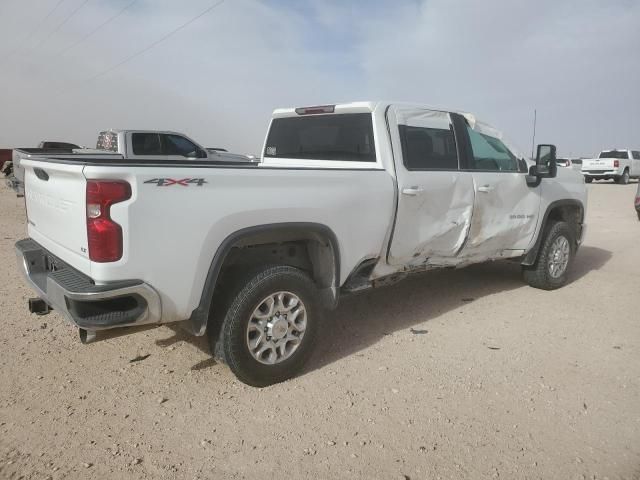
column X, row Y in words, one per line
column 545, row 166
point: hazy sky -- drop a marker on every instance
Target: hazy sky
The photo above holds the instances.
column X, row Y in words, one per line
column 576, row 61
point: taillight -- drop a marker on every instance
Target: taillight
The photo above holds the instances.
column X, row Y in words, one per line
column 638, row 201
column 616, row 163
column 103, row 234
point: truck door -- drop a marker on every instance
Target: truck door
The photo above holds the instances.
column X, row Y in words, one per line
column 506, row 209
column 435, row 198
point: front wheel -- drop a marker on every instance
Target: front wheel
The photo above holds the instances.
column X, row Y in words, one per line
column 550, row 271
column 588, row 179
column 269, row 330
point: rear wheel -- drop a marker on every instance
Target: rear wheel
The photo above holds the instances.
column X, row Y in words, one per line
column 550, row 271
column 588, row 179
column 624, row 178
column 270, row 329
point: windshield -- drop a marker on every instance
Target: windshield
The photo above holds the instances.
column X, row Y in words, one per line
column 345, row 137
column 622, row 154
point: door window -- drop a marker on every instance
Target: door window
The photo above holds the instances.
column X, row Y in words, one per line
column 636, row 155
column 146, row 144
column 428, row 148
column 177, row 145
column 490, row 154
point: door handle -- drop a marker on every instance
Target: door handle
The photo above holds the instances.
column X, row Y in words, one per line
column 412, row 191
column 485, row 188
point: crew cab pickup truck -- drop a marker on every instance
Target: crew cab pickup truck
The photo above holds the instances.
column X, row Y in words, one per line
column 346, row 197
column 617, row 165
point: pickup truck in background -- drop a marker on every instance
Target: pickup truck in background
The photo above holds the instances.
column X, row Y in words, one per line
column 616, row 165
column 132, row 144
column 346, row 197
column 116, row 145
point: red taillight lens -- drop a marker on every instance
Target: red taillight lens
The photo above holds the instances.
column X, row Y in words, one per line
column 103, row 234
column 616, row 163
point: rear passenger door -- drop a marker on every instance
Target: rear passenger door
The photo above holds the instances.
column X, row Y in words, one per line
column 506, row 209
column 435, row 198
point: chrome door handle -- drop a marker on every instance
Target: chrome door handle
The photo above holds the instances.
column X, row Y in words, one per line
column 412, row 191
column 485, row 188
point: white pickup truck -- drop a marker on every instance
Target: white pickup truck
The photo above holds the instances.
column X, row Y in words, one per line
column 346, row 197
column 617, row 165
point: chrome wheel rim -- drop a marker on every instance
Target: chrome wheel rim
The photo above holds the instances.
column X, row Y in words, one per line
column 276, row 328
column 559, row 257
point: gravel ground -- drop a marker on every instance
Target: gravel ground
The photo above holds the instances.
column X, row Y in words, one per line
column 456, row 374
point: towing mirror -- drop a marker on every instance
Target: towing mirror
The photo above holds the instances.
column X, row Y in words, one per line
column 545, row 166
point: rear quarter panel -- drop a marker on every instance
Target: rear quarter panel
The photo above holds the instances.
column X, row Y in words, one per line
column 172, row 232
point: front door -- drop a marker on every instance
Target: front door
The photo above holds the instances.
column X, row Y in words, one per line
column 435, row 199
column 506, row 209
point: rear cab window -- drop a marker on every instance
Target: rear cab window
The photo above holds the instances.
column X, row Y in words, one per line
column 619, row 154
column 323, row 139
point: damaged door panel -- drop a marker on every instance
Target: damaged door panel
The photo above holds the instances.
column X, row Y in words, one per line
column 436, row 199
column 506, row 209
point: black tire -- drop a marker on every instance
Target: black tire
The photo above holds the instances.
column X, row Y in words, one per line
column 538, row 275
column 250, row 292
column 624, row 178
column 588, row 179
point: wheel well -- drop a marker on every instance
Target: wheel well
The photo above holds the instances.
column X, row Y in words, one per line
column 571, row 212
column 312, row 248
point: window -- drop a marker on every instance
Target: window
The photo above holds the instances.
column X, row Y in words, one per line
column 345, row 137
column 177, row 145
column 146, row 144
column 636, row 155
column 491, row 154
column 621, row 154
column 428, row 148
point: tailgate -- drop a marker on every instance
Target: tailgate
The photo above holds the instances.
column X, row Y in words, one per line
column 598, row 164
column 56, row 212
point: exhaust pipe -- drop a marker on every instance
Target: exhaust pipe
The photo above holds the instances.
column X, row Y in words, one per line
column 87, row 336
column 39, row 306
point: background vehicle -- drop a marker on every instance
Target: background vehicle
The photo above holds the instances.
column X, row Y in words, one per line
column 5, row 156
column 347, row 197
column 617, row 165
column 58, row 145
column 163, row 145
column 114, row 145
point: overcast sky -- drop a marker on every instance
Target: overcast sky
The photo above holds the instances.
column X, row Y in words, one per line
column 576, row 61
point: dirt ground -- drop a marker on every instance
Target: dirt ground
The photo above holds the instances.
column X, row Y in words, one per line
column 456, row 374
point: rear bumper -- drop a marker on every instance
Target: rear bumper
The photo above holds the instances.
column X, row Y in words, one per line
column 85, row 304
column 601, row 173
